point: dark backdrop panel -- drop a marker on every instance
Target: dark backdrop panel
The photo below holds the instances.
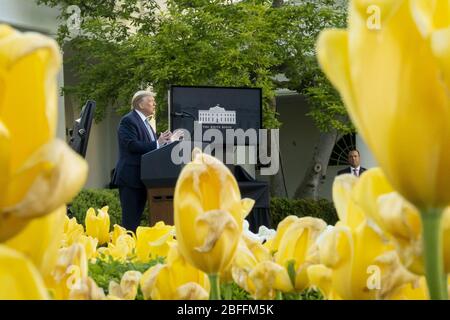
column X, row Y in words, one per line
column 245, row 102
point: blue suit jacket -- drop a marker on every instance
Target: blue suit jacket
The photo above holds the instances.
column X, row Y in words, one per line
column 134, row 141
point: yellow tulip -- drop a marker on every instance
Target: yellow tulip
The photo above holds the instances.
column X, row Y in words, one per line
column 209, row 213
column 87, row 290
column 175, row 280
column 152, row 242
column 321, row 278
column 19, row 278
column 395, row 82
column 121, row 250
column 40, row 240
column 90, row 246
column 365, row 265
column 128, row 287
column 39, row 173
column 117, row 232
column 273, row 244
column 416, row 291
column 298, row 249
column 97, row 226
column 70, row 271
column 398, row 219
column 72, row 231
column 255, row 272
column 266, row 278
column 348, row 211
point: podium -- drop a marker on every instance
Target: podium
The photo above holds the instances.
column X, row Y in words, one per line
column 159, row 173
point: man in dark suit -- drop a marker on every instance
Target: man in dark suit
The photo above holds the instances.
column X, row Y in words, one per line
column 136, row 137
column 354, row 162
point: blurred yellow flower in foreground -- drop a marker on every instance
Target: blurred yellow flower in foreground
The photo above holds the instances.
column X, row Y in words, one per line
column 209, row 213
column 97, row 226
column 19, row 278
column 38, row 172
column 395, row 82
column 398, row 218
column 363, row 260
column 40, row 240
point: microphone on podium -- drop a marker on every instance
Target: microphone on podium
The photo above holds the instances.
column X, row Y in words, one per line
column 183, row 114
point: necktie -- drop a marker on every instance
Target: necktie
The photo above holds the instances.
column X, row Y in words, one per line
column 149, row 128
column 355, row 171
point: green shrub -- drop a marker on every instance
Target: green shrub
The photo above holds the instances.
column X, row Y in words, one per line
column 105, row 271
column 98, row 198
column 282, row 207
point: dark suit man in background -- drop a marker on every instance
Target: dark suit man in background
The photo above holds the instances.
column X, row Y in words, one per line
column 136, row 137
column 354, row 162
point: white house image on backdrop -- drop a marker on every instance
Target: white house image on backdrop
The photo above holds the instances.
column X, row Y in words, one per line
column 297, row 134
column 217, row 114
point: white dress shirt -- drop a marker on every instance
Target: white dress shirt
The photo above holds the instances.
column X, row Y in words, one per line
column 356, row 171
column 147, row 125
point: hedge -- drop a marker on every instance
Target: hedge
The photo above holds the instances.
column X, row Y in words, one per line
column 98, row 198
column 282, row 207
column 279, row 207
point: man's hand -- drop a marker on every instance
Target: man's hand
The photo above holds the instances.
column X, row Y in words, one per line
column 164, row 137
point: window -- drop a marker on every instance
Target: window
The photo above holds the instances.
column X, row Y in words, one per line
column 341, row 149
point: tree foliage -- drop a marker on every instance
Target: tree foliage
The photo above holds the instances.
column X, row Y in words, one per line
column 128, row 45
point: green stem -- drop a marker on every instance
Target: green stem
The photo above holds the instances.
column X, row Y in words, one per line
column 433, row 253
column 214, row 294
column 279, row 295
column 228, row 294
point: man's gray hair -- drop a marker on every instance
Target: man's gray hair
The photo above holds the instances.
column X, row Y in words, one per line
column 138, row 96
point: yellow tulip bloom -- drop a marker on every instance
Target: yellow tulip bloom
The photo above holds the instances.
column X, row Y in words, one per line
column 175, row 280
column 90, row 246
column 72, row 231
column 266, row 278
column 273, row 244
column 19, row 278
column 348, row 211
column 395, row 81
column 209, row 213
column 128, row 287
column 117, row 232
column 320, row 278
column 40, row 240
column 298, row 246
column 152, row 242
column 87, row 290
column 97, row 226
column 70, row 271
column 39, row 172
column 254, row 271
column 365, row 265
column 416, row 291
column 121, row 250
column 399, row 220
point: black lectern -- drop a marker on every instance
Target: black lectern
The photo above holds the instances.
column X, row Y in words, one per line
column 157, row 168
column 159, row 173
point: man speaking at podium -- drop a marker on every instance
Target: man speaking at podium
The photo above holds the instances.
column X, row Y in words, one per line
column 136, row 137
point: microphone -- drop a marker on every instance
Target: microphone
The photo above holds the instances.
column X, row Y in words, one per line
column 183, row 114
